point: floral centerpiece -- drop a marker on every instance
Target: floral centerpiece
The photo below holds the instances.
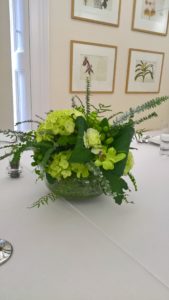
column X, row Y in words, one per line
column 81, row 152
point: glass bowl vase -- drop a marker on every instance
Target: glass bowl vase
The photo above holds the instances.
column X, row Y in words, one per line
column 75, row 188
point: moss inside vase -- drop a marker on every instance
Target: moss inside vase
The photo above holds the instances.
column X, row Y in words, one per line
column 76, row 188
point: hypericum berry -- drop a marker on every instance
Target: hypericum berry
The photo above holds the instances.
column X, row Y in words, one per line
column 109, row 140
column 102, row 136
column 105, row 128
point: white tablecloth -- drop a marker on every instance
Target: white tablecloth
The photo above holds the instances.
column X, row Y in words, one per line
column 91, row 249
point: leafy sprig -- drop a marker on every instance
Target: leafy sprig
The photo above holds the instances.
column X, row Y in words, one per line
column 44, row 200
column 150, row 116
column 141, row 108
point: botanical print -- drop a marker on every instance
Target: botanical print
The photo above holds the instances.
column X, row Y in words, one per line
column 105, row 12
column 94, row 65
column 149, row 8
column 153, row 10
column 99, row 4
column 144, row 71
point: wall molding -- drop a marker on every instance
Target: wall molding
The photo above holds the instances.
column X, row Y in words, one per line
column 39, row 56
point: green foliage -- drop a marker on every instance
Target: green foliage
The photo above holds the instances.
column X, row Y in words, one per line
column 133, row 180
column 141, row 108
column 80, row 154
column 122, row 144
column 47, row 156
column 117, row 185
column 44, row 200
column 150, row 116
column 50, row 179
column 83, row 143
column 66, row 140
column 79, row 107
column 87, row 95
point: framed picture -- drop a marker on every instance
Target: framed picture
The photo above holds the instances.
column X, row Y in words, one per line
column 106, row 12
column 144, row 71
column 95, row 60
column 151, row 16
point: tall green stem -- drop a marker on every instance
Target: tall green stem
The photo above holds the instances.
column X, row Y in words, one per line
column 88, row 94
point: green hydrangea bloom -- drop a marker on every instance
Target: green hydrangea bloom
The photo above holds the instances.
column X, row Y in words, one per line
column 60, row 167
column 42, row 134
column 129, row 163
column 80, row 170
column 108, row 158
column 57, row 122
column 91, row 138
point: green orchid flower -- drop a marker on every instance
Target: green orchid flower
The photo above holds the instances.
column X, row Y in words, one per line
column 108, row 158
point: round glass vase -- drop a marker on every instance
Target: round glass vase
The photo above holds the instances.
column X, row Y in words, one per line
column 75, row 188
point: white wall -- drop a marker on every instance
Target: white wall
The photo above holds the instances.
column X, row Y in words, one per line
column 63, row 29
column 6, row 110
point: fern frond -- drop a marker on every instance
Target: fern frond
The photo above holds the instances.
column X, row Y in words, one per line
column 44, row 200
column 141, row 108
column 17, row 135
column 150, row 116
column 27, row 121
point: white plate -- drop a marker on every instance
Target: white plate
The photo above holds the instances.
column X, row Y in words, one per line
column 155, row 139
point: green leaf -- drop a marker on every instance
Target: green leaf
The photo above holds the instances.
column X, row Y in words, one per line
column 66, row 140
column 50, row 179
column 122, row 144
column 47, row 156
column 80, row 154
column 104, row 123
column 118, row 186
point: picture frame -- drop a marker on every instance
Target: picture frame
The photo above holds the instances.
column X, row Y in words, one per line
column 144, row 71
column 97, row 61
column 150, row 16
column 105, row 12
